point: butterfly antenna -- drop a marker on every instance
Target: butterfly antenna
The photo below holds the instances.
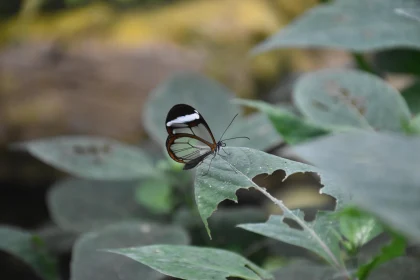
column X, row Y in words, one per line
column 228, row 127
column 240, row 137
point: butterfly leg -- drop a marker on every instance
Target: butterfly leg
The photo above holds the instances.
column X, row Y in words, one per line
column 225, row 152
column 210, row 164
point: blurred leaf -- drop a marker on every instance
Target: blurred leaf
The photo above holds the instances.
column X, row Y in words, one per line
column 28, row 248
column 401, row 268
column 189, row 262
column 91, row 157
column 356, row 25
column 398, row 61
column 350, row 99
column 57, row 241
column 304, row 270
column 79, row 205
column 89, row 263
column 317, row 236
column 409, row 13
column 212, row 100
column 358, row 227
column 292, row 128
column 411, row 95
column 155, row 195
column 380, row 170
column 395, row 249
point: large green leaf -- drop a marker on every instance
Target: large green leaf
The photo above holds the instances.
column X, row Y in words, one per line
column 318, row 236
column 91, row 157
column 356, row 25
column 195, row 263
column 212, row 100
column 28, row 248
column 79, row 205
column 90, row 263
column 380, row 170
column 230, row 173
column 350, row 99
column 292, row 128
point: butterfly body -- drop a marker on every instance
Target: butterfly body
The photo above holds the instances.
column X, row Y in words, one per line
column 190, row 139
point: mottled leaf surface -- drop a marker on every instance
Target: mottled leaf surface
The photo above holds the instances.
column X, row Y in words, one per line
column 195, row 263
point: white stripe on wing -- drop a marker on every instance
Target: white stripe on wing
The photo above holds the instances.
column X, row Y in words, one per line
column 184, row 119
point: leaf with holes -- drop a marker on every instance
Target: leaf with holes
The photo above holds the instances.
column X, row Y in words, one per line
column 356, row 25
column 207, row 96
column 292, row 128
column 380, row 170
column 189, row 262
column 318, row 236
column 90, row 263
column 91, row 157
column 343, row 99
column 229, row 173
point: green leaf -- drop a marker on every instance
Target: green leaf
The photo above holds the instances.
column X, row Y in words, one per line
column 358, row 227
column 91, row 157
column 395, row 249
column 78, row 205
column 317, row 236
column 195, row 263
column 90, row 263
column 30, row 249
column 212, row 100
column 380, row 170
column 292, row 128
column 339, row 99
column 400, row 268
column 355, row 25
column 155, row 195
column 304, row 270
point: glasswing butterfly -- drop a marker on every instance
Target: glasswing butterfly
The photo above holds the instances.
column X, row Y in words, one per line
column 190, row 139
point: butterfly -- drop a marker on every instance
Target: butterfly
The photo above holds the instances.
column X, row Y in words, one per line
column 190, row 139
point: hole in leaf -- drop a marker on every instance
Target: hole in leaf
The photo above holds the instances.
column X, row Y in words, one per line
column 292, row 224
column 298, row 191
